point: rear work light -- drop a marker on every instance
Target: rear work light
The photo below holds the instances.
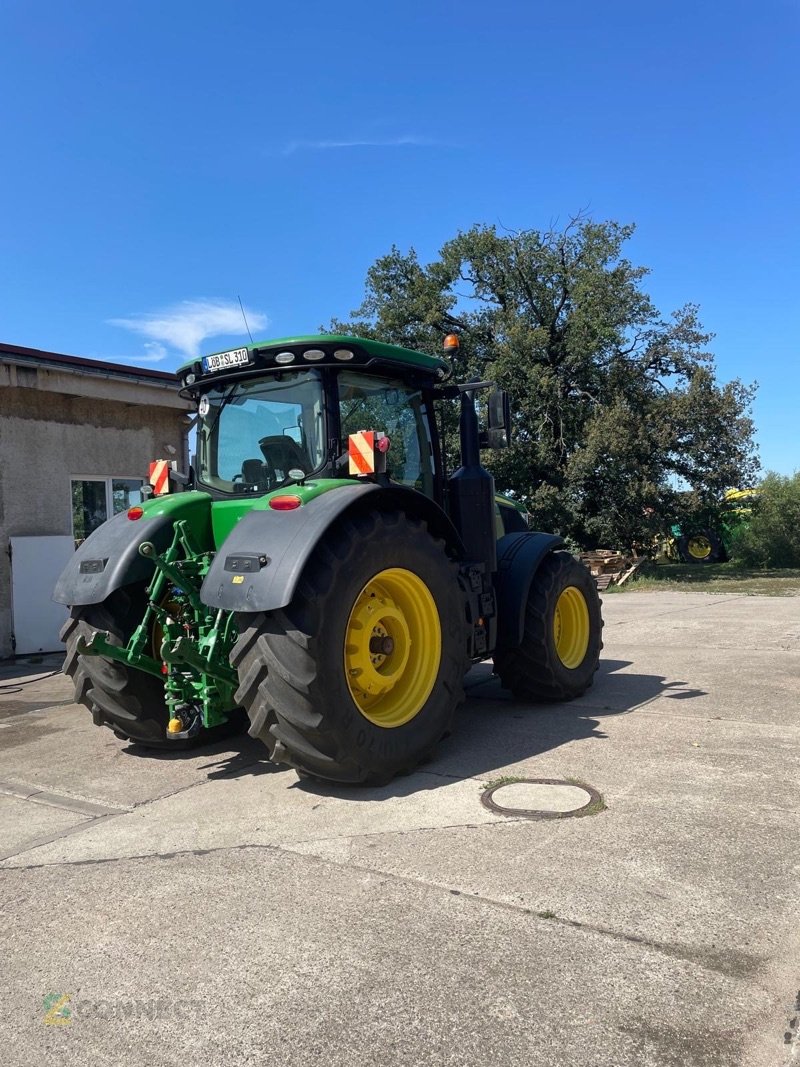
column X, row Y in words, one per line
column 285, row 503
column 135, row 513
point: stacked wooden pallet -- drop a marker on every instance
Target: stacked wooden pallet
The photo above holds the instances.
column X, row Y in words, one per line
column 609, row 567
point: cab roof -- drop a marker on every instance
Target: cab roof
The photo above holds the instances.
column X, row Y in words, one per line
column 261, row 354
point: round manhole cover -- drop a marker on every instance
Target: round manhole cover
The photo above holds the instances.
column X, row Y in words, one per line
column 542, row 798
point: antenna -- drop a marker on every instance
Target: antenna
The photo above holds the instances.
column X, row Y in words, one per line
column 241, row 305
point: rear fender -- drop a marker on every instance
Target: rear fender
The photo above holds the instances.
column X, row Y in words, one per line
column 258, row 566
column 109, row 558
column 519, row 556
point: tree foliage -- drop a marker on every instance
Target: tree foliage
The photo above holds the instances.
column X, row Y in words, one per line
column 771, row 536
column 618, row 413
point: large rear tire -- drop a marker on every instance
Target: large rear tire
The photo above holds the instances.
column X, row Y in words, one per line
column 358, row 678
column 703, row 546
column 560, row 649
column 129, row 702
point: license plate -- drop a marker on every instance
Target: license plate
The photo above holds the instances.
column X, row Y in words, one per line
column 236, row 358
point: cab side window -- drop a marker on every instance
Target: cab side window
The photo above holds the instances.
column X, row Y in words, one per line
column 368, row 403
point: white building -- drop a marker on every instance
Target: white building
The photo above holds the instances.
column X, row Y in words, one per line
column 76, row 440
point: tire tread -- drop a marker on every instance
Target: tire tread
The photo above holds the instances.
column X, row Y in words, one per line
column 277, row 660
column 532, row 671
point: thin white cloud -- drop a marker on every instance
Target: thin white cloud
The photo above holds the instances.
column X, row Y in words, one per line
column 154, row 352
column 377, row 142
column 185, row 326
column 136, row 361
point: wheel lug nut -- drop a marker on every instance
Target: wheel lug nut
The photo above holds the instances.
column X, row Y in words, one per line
column 383, row 646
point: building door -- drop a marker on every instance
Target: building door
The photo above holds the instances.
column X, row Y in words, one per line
column 36, row 563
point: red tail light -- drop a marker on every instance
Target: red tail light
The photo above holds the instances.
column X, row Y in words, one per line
column 135, row 513
column 285, row 503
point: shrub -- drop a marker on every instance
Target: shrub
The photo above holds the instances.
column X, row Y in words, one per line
column 771, row 538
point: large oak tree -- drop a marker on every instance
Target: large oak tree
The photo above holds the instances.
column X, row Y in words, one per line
column 620, row 423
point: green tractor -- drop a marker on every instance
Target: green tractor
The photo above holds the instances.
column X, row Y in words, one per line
column 707, row 538
column 697, row 544
column 320, row 570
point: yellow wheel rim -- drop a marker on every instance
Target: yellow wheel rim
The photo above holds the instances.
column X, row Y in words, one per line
column 392, row 647
column 571, row 627
column 699, row 547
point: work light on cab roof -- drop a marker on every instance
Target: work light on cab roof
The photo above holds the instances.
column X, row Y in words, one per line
column 320, row 350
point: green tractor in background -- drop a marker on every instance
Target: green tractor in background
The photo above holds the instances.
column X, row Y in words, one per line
column 691, row 543
column 320, row 570
column 708, row 538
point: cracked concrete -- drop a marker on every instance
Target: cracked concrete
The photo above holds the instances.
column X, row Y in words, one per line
column 207, row 905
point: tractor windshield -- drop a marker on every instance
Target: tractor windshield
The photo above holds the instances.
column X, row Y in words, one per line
column 258, row 434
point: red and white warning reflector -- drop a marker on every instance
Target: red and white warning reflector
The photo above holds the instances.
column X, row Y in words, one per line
column 367, row 452
column 159, row 476
column 361, row 450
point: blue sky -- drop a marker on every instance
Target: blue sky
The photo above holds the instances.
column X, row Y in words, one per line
column 161, row 158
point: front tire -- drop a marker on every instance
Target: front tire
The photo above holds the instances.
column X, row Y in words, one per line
column 560, row 648
column 358, row 678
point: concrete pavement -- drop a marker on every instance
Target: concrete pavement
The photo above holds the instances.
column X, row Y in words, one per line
column 206, row 906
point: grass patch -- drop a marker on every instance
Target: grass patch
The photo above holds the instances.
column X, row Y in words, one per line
column 596, row 806
column 508, row 780
column 712, row 578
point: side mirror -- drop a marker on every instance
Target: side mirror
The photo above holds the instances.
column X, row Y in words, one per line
column 499, row 419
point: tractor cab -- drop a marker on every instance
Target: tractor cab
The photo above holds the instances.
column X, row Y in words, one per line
column 275, row 415
column 280, row 414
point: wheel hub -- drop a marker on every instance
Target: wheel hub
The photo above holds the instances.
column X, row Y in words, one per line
column 381, row 646
column 378, row 644
column 392, row 647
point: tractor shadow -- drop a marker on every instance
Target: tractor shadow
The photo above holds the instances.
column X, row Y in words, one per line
column 493, row 731
column 232, row 754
